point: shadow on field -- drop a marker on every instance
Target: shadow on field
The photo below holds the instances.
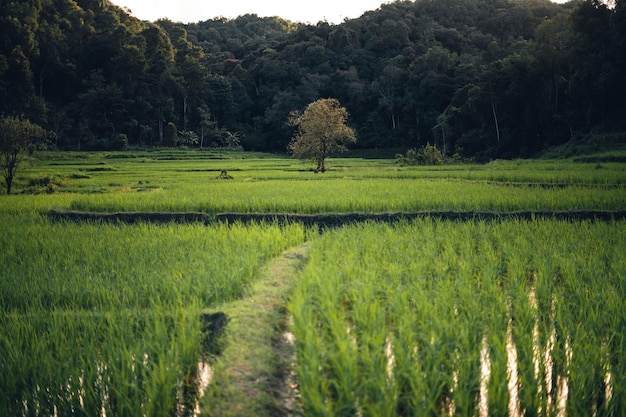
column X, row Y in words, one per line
column 197, row 378
column 324, row 221
column 213, row 327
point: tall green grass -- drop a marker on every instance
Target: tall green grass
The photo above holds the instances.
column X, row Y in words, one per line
column 349, row 195
column 97, row 266
column 170, row 166
column 126, row 363
column 107, row 318
column 186, row 181
column 390, row 320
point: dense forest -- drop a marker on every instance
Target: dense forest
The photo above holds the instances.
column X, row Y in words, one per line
column 480, row 78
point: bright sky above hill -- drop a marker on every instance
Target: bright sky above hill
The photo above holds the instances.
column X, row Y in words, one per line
column 305, row 11
column 309, row 11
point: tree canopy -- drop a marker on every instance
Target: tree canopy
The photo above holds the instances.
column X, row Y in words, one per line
column 322, row 130
column 18, row 138
column 485, row 78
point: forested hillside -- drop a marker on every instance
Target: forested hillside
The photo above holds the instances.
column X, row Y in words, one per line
column 484, row 78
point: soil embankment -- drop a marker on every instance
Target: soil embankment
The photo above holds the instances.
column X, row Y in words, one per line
column 330, row 220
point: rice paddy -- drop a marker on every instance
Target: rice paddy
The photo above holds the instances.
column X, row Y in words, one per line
column 420, row 317
column 106, row 319
column 434, row 318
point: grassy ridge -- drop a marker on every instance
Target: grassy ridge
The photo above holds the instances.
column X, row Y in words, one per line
column 400, row 313
column 187, row 182
column 346, row 195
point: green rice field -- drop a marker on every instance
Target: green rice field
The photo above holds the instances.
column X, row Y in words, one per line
column 108, row 317
column 187, row 182
column 435, row 318
column 415, row 318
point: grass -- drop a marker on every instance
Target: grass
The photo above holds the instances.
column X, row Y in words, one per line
column 389, row 319
column 400, row 312
column 107, row 317
column 87, row 266
column 345, row 195
column 250, row 375
column 186, row 181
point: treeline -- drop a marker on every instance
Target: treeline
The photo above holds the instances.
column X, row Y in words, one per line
column 482, row 78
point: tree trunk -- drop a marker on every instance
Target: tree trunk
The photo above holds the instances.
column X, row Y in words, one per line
column 556, row 94
column 321, row 161
column 495, row 118
column 41, row 82
column 160, row 128
column 185, row 111
column 321, row 166
column 417, row 119
column 443, row 138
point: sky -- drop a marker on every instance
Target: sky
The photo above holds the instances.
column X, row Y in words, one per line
column 305, row 11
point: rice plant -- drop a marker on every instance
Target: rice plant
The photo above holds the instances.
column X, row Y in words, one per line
column 189, row 181
column 102, row 319
column 435, row 317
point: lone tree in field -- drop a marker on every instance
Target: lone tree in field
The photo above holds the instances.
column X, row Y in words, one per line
column 322, row 130
column 17, row 139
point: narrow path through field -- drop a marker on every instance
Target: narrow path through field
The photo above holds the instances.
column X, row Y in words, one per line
column 253, row 375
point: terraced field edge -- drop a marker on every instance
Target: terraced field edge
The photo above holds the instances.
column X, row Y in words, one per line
column 329, row 220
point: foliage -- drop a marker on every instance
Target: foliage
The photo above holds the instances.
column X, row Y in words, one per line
column 187, row 138
column 224, row 175
column 18, row 138
column 496, row 78
column 322, row 130
column 170, row 135
column 231, row 140
column 426, row 155
column 99, row 318
column 104, row 318
column 588, row 145
column 425, row 318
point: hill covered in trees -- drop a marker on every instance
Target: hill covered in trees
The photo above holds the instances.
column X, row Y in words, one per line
column 485, row 78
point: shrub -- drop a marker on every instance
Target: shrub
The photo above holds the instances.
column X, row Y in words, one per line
column 426, row 155
column 170, row 134
column 119, row 142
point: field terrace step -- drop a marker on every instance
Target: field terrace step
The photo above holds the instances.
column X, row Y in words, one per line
column 329, row 220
